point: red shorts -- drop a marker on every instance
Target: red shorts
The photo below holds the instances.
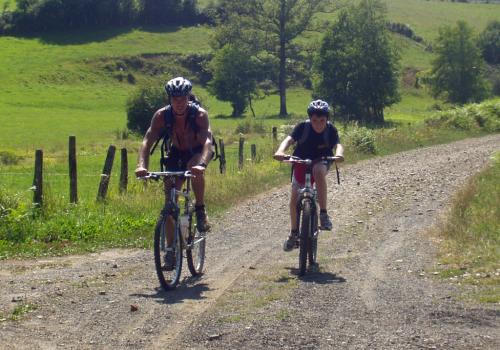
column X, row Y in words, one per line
column 299, row 175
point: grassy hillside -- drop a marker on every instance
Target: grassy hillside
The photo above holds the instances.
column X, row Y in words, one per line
column 50, row 84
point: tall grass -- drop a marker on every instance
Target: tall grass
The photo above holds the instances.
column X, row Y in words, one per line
column 471, row 247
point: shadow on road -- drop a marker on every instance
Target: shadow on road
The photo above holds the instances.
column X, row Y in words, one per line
column 186, row 290
column 316, row 276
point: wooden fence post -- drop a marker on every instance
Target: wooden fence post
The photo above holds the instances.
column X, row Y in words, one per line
column 254, row 152
column 38, row 179
column 106, row 174
column 222, row 160
column 240, row 153
column 124, row 171
column 275, row 133
column 73, row 184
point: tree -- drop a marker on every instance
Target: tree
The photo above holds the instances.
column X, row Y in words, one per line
column 142, row 105
column 276, row 23
column 489, row 43
column 356, row 67
column 458, row 70
column 234, row 72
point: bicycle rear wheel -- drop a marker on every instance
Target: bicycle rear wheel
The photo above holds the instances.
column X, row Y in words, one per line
column 168, row 277
column 195, row 253
column 305, row 234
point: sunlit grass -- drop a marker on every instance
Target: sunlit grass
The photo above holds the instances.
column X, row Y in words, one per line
column 471, row 247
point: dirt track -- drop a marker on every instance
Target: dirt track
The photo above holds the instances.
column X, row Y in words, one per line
column 375, row 288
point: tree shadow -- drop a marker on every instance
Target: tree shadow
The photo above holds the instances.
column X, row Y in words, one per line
column 186, row 290
column 91, row 35
column 316, row 276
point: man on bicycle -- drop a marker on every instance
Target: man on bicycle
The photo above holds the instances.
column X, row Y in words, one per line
column 315, row 138
column 188, row 130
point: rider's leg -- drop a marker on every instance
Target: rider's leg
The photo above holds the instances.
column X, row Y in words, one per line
column 198, row 182
column 319, row 172
column 289, row 243
column 294, row 195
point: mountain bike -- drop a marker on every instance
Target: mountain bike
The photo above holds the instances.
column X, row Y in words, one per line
column 307, row 213
column 186, row 237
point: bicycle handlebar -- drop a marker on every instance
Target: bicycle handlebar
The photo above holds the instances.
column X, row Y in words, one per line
column 156, row 175
column 297, row 160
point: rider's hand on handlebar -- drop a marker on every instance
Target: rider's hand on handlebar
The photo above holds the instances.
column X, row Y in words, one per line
column 340, row 158
column 280, row 156
column 141, row 172
column 198, row 170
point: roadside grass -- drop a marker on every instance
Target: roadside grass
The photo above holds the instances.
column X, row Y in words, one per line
column 470, row 251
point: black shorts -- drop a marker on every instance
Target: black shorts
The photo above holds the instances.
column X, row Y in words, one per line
column 177, row 160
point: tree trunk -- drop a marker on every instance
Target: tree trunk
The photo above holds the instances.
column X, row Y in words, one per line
column 250, row 104
column 282, row 75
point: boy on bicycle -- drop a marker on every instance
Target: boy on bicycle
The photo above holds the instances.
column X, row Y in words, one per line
column 188, row 130
column 315, row 138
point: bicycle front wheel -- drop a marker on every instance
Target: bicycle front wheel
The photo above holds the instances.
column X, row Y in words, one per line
column 305, row 234
column 313, row 241
column 168, row 260
column 195, row 253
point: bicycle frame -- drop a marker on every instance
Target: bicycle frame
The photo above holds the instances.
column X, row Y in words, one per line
column 307, row 192
column 184, row 238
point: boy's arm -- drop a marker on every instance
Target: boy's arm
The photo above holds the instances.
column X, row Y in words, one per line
column 280, row 153
column 339, row 152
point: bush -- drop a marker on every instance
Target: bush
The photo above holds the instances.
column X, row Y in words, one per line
column 9, row 158
column 361, row 139
column 142, row 105
column 15, row 220
column 485, row 116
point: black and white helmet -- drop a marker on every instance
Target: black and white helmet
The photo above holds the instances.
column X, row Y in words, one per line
column 178, row 87
column 319, row 107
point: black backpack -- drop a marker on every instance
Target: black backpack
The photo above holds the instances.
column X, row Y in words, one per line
column 166, row 135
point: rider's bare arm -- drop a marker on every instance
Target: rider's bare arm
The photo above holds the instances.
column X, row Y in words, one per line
column 339, row 152
column 153, row 133
column 280, row 153
column 204, row 135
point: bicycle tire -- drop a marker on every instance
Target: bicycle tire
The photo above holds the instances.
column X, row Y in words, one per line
column 313, row 245
column 195, row 255
column 168, row 279
column 305, row 234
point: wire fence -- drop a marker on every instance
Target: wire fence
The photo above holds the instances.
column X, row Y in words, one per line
column 89, row 174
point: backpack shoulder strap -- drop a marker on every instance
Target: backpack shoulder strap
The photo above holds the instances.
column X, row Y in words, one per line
column 167, row 130
column 168, row 116
column 305, row 132
column 326, row 135
column 192, row 115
